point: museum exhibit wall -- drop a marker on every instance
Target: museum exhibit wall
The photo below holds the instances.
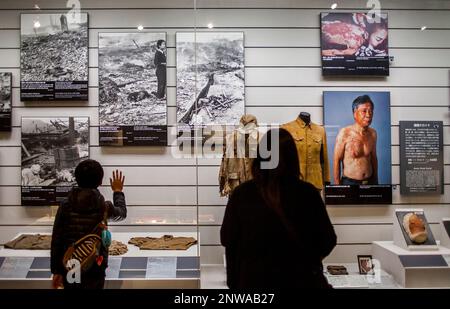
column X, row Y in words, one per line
column 283, row 77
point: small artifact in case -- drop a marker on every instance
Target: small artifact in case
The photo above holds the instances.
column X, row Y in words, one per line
column 415, row 228
column 337, row 270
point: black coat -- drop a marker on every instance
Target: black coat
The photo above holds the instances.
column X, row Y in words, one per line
column 77, row 217
column 262, row 252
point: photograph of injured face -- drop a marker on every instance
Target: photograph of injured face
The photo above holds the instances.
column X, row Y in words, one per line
column 359, row 133
column 415, row 228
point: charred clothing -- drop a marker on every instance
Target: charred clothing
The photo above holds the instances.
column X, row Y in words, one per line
column 76, row 218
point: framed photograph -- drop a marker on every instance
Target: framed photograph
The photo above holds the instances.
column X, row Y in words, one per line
column 132, row 89
column 354, row 44
column 365, row 265
column 210, row 78
column 415, row 228
column 5, row 101
column 51, row 149
column 358, row 128
column 54, row 57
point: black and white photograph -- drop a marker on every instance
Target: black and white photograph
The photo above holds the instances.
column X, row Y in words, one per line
column 354, row 44
column 210, row 78
column 5, row 101
column 54, row 57
column 132, row 94
column 51, row 149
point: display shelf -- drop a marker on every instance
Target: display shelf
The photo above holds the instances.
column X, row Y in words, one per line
column 354, row 280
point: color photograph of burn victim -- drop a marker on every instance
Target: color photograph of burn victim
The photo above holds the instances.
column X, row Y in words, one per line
column 210, row 78
column 52, row 148
column 54, row 47
column 132, row 77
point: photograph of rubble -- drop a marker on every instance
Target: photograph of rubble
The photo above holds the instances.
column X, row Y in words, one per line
column 54, row 56
column 210, row 78
column 132, row 94
column 51, row 149
column 5, row 101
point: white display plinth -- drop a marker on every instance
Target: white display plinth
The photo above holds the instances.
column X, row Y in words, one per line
column 185, row 276
column 425, row 274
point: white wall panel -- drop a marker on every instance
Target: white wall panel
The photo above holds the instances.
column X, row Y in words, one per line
column 8, row 233
column 348, row 253
column 376, row 214
column 10, row 156
column 10, row 38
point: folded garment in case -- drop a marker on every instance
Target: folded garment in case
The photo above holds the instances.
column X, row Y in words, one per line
column 337, row 270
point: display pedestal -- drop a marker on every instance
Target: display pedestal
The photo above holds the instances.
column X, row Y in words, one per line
column 144, row 269
column 414, row 269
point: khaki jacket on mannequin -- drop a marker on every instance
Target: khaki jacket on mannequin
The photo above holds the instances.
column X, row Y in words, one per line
column 311, row 142
column 236, row 166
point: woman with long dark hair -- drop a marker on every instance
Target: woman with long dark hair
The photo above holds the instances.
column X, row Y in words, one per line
column 276, row 230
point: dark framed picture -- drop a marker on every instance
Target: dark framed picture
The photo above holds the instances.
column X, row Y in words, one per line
column 354, row 44
column 365, row 265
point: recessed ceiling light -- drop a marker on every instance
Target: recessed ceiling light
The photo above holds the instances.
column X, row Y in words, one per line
column 423, row 28
column 37, row 7
column 140, row 27
column 333, row 6
column 210, row 26
column 37, row 24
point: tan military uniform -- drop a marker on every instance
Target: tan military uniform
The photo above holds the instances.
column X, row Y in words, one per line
column 239, row 153
column 311, row 142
